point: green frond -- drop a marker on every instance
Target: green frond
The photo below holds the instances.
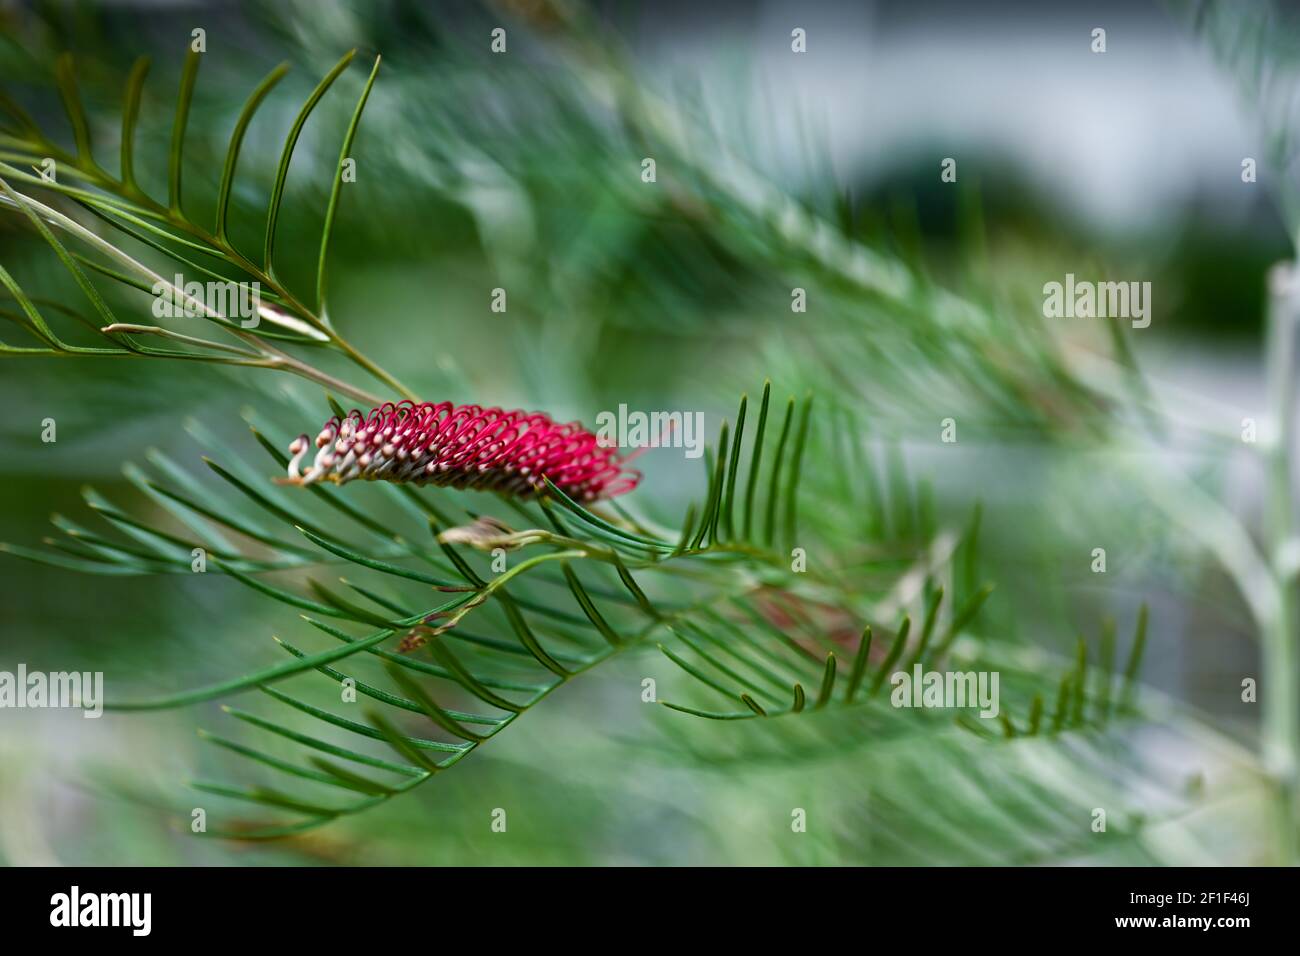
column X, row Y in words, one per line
column 775, row 597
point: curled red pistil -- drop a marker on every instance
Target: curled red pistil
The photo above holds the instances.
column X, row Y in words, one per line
column 462, row 446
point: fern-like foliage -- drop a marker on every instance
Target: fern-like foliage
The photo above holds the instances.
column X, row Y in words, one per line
column 119, row 203
column 466, row 651
column 460, row 612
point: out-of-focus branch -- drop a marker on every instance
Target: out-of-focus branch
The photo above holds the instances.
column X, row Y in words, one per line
column 1281, row 692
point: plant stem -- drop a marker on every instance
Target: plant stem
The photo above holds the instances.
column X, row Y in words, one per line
column 377, row 371
column 1281, row 730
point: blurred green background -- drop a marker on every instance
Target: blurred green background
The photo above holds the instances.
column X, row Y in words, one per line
column 477, row 171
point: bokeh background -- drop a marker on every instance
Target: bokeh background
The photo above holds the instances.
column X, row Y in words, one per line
column 477, row 171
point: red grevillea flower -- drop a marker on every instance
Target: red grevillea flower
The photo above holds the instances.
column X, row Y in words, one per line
column 463, row 446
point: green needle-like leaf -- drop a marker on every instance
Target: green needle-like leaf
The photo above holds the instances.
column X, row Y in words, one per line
column 130, row 114
column 430, row 708
column 354, row 781
column 1062, row 704
column 1080, row 684
column 774, row 482
column 1128, row 689
column 282, row 173
column 796, row 464
column 237, row 140
column 332, row 208
column 895, row 652
column 189, row 74
column 755, row 460
column 828, row 683
column 708, row 516
column 323, row 746
column 357, row 557
column 418, row 743
column 927, row 629
column 733, row 468
column 859, row 665
column 66, row 79
column 256, row 679
column 1035, row 715
column 588, row 606
column 401, row 743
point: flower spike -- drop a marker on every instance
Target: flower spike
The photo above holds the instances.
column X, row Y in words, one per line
column 462, row 446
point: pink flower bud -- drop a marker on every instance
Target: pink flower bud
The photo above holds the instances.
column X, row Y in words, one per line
column 463, row 446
